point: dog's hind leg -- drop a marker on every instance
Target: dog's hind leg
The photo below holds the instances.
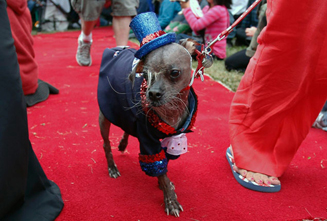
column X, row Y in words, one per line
column 172, row 206
column 123, row 142
column 104, row 124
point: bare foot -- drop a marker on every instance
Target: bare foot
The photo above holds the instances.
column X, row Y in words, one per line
column 256, row 177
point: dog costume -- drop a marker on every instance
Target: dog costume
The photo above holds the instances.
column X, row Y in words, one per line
column 120, row 100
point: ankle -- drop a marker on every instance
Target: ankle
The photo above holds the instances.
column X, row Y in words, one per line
column 85, row 38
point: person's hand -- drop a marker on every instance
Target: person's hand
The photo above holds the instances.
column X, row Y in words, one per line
column 250, row 31
column 185, row 4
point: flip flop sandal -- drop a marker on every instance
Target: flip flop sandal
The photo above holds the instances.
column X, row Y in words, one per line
column 247, row 183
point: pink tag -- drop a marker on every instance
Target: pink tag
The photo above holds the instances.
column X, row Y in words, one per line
column 176, row 145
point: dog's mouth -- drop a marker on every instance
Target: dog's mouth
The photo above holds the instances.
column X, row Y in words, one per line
column 156, row 103
column 170, row 106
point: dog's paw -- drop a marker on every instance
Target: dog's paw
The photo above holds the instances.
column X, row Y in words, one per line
column 173, row 207
column 122, row 146
column 113, row 172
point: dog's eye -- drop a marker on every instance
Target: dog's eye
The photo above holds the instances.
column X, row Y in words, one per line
column 175, row 73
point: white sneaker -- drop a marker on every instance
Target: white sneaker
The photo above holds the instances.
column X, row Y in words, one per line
column 83, row 55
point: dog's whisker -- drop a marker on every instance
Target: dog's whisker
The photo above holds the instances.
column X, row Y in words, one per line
column 137, row 104
column 147, row 115
column 183, row 105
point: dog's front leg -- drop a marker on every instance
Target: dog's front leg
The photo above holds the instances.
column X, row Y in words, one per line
column 104, row 129
column 172, row 206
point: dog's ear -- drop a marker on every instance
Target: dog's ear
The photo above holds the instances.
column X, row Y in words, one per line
column 189, row 44
column 137, row 69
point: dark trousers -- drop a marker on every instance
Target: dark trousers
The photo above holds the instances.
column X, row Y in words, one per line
column 238, row 61
column 25, row 191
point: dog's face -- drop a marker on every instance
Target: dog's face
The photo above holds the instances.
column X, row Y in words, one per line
column 167, row 71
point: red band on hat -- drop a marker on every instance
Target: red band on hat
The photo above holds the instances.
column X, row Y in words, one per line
column 152, row 36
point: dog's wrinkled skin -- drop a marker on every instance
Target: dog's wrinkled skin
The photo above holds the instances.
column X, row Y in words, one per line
column 167, row 71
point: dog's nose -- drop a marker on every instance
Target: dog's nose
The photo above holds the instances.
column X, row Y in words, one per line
column 155, row 95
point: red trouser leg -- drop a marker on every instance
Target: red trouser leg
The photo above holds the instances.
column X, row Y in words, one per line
column 21, row 27
column 283, row 89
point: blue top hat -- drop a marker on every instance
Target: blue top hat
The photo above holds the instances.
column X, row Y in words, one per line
column 147, row 30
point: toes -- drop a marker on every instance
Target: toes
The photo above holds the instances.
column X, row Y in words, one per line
column 176, row 212
column 271, row 180
column 274, row 180
column 243, row 172
column 240, row 171
column 113, row 172
column 173, row 207
column 249, row 176
column 266, row 180
column 259, row 178
column 262, row 179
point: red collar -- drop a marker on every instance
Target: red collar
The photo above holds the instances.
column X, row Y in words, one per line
column 155, row 120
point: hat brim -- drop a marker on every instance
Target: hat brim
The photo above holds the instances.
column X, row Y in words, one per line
column 155, row 43
column 41, row 94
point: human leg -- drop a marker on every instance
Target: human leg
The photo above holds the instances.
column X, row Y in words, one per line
column 238, row 61
column 21, row 27
column 282, row 91
column 87, row 28
column 122, row 12
column 241, row 38
column 89, row 12
column 121, row 29
column 34, row 89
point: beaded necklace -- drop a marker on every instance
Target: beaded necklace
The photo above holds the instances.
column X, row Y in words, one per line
column 154, row 119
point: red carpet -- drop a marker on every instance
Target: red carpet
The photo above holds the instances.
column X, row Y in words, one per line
column 65, row 136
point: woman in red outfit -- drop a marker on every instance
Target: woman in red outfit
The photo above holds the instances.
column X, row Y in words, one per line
column 281, row 93
column 20, row 20
column 21, row 27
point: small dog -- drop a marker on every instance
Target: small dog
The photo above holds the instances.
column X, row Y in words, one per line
column 151, row 101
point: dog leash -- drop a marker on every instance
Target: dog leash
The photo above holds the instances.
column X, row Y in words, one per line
column 204, row 57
